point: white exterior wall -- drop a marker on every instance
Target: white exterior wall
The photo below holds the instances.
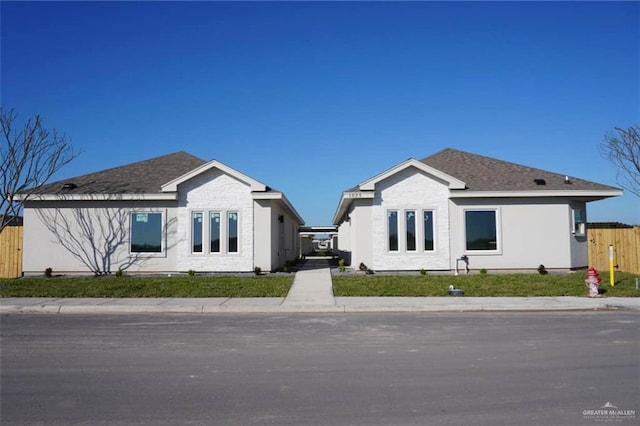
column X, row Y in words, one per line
column 262, row 235
column 215, row 191
column 530, row 232
column 409, row 189
column 69, row 248
column 285, row 240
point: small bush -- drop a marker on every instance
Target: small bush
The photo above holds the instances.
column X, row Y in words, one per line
column 542, row 270
column 120, row 273
column 191, row 272
column 257, row 270
column 483, row 271
column 423, row 271
column 341, row 266
column 48, row 272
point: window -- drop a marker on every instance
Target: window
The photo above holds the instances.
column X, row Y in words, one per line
column 196, row 232
column 579, row 221
column 481, row 230
column 428, row 230
column 146, row 232
column 410, row 222
column 393, row 230
column 232, row 233
column 214, row 231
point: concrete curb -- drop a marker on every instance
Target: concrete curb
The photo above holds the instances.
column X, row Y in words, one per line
column 341, row 305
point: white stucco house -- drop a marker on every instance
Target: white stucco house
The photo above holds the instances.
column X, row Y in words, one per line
column 171, row 213
column 427, row 214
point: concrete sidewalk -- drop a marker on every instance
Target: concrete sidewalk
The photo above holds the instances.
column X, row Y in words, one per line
column 342, row 304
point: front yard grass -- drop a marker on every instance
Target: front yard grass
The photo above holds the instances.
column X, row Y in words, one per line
column 177, row 286
column 480, row 285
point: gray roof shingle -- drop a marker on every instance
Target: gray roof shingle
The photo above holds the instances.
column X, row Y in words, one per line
column 142, row 177
column 482, row 173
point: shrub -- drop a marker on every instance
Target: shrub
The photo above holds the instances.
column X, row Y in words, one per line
column 341, row 266
column 120, row 273
column 257, row 270
column 542, row 270
column 423, row 271
column 191, row 272
column 48, row 272
column 483, row 271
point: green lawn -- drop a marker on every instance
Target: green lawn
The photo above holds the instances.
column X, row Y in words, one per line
column 343, row 285
column 181, row 286
column 479, row 285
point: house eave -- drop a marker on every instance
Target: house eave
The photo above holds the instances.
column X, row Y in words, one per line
column 581, row 194
column 100, row 197
column 346, row 200
column 276, row 195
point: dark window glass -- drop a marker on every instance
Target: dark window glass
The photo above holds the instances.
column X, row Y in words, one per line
column 428, row 231
column 393, row 231
column 481, row 230
column 197, row 232
column 214, row 231
column 146, row 232
column 233, row 232
column 411, row 230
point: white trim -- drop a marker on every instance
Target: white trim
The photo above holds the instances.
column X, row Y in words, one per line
column 172, row 186
column 99, row 197
column 433, row 230
column 346, row 199
column 397, row 212
column 238, row 232
column 415, row 231
column 163, row 231
column 498, row 218
column 202, row 229
column 370, row 184
column 277, row 195
column 540, row 193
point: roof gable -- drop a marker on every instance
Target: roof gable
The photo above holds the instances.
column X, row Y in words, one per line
column 172, row 186
column 453, row 183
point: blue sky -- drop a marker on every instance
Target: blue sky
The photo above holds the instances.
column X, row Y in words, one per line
column 314, row 98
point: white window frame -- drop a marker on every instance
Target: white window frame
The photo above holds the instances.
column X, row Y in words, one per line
column 202, row 230
column 163, row 233
column 579, row 229
column 388, row 234
column 220, row 232
column 498, row 219
column 238, row 232
column 415, row 231
column 433, row 231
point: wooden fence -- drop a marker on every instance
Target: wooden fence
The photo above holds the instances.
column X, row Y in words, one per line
column 626, row 244
column 11, row 252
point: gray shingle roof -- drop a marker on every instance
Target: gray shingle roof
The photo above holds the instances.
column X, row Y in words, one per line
column 142, row 177
column 489, row 174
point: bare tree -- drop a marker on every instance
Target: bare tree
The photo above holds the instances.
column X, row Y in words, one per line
column 97, row 237
column 622, row 148
column 30, row 156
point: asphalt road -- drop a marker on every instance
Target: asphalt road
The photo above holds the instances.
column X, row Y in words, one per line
column 347, row 369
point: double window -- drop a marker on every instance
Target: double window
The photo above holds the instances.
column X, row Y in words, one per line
column 146, row 232
column 414, row 230
column 481, row 230
column 215, row 232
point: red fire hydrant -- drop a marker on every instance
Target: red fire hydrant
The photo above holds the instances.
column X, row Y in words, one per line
column 593, row 281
